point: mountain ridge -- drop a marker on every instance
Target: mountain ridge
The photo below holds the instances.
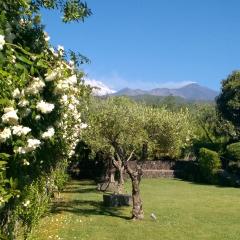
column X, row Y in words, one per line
column 192, row 91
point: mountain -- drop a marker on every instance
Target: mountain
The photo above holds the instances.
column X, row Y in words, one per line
column 193, row 92
column 130, row 92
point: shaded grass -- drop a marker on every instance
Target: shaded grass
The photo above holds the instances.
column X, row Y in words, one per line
column 184, row 211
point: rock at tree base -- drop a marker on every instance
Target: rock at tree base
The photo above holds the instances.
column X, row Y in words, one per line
column 117, row 200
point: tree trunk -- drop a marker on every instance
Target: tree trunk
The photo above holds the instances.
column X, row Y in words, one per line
column 121, row 180
column 112, row 179
column 137, row 211
column 120, row 168
column 144, row 152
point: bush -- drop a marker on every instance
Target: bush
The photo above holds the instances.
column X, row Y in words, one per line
column 233, row 151
column 209, row 163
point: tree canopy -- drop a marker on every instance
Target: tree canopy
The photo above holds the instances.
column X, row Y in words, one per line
column 228, row 101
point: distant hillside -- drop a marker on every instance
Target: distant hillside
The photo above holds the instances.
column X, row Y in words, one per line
column 192, row 92
column 130, row 92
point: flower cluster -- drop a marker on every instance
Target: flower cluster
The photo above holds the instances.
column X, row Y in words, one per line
column 20, row 130
column 5, row 134
column 49, row 133
column 2, row 41
column 44, row 107
column 10, row 116
column 32, row 144
column 35, row 87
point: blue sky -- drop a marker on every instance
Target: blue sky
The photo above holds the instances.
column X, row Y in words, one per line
column 154, row 43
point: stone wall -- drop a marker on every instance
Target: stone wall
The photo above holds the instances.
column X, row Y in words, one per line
column 160, row 168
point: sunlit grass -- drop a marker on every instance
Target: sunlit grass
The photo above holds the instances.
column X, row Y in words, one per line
column 184, row 211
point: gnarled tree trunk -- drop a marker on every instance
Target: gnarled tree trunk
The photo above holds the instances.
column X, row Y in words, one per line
column 120, row 168
column 135, row 175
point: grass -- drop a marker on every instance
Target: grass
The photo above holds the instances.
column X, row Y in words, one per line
column 184, row 211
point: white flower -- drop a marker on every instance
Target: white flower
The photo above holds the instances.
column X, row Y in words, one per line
column 44, row 107
column 71, row 153
column 64, row 98
column 46, row 37
column 26, row 203
column 60, row 48
column 10, row 116
column 32, row 144
column 71, row 106
column 23, row 103
column 35, row 87
column 13, row 60
column 61, row 86
column 72, row 80
column 83, row 125
column 53, row 52
column 8, row 109
column 38, row 117
column 49, row 133
column 71, row 63
column 25, row 162
column 33, row 57
column 21, row 130
column 20, row 150
column 16, row 93
column 51, row 76
column 2, row 42
column 5, row 134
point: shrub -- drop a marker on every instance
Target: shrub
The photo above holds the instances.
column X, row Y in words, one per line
column 233, row 151
column 209, row 163
column 42, row 99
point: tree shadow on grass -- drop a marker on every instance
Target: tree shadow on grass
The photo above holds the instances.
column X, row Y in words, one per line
column 77, row 190
column 87, row 208
column 84, row 206
column 201, row 183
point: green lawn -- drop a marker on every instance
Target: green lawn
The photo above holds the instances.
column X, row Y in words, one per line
column 184, row 211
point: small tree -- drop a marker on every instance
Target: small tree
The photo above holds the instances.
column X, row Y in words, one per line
column 116, row 128
column 228, row 101
column 168, row 132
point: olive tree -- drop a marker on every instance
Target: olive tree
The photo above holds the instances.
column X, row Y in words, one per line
column 168, row 132
column 116, row 128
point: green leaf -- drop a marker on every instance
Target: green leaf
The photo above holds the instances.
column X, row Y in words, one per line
column 43, row 64
column 25, row 60
column 4, row 156
column 4, row 101
column 32, row 70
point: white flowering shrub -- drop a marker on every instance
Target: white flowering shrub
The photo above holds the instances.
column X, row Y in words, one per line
column 41, row 100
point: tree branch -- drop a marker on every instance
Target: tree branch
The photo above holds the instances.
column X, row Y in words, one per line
column 130, row 156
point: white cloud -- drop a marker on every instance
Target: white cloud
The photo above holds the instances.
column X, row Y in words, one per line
column 100, row 88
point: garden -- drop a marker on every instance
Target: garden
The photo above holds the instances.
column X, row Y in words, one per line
column 54, row 132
